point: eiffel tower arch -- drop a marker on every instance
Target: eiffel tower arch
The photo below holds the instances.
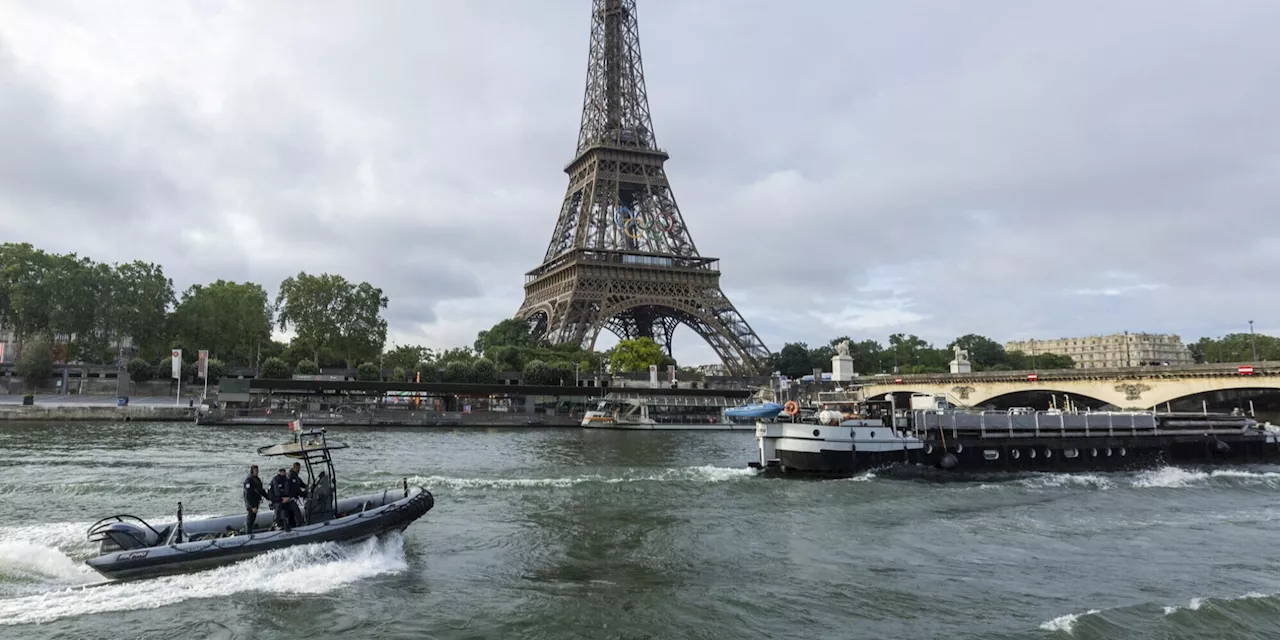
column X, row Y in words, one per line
column 621, row 257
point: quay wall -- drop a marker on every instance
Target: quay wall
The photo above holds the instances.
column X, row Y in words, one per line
column 64, row 413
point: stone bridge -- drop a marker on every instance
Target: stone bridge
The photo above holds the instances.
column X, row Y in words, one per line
column 1126, row 388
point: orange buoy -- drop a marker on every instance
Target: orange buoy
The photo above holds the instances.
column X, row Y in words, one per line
column 791, row 408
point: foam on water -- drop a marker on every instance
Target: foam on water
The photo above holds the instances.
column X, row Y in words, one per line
column 1195, row 603
column 1065, row 623
column 304, row 569
column 705, row 474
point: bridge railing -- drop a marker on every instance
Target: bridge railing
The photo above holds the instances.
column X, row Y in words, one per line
column 1172, row 371
column 1066, row 424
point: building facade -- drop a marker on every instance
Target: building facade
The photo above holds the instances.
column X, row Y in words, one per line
column 1116, row 350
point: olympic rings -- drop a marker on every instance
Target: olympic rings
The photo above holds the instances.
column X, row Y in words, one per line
column 636, row 224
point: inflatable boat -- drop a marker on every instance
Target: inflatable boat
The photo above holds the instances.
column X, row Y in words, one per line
column 131, row 548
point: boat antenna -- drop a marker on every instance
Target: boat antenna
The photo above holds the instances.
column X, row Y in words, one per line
column 178, row 533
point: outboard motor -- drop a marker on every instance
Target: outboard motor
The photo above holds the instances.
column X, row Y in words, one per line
column 121, row 536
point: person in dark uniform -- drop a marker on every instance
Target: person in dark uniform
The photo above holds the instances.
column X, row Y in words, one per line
column 297, row 490
column 253, row 495
column 284, row 502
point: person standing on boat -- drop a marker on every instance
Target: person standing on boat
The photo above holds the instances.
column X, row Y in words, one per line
column 280, row 490
column 253, row 495
column 297, row 490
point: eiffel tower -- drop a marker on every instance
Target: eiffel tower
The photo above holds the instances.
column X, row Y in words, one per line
column 621, row 257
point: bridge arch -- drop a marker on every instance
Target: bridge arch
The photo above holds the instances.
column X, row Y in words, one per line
column 1160, row 396
column 1042, row 395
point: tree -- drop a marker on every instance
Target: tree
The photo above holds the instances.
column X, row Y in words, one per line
column 1019, row 361
column 229, row 319
column 456, row 371
column 406, row 357
column 635, row 355
column 328, row 311
column 794, row 360
column 1236, row 347
column 143, row 295
column 307, row 367
column 217, row 369
column 536, row 372
column 511, row 332
column 483, row 371
column 428, row 372
column 984, row 352
column 274, row 369
column 140, row 370
column 75, row 301
column 34, row 365
column 456, row 354
column 27, row 290
column 368, row 371
column 398, row 374
column 561, row 372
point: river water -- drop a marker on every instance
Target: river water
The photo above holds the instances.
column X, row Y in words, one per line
column 617, row 535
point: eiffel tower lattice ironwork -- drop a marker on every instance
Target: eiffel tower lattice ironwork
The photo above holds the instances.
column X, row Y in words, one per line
column 621, row 257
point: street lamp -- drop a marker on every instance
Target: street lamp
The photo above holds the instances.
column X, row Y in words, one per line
column 1253, row 345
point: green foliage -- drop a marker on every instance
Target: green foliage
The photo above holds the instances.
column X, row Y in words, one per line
column 458, row 354
column 368, row 371
column 407, row 357
column 428, row 372
column 483, row 371
column 163, row 369
column 88, row 306
column 911, row 355
column 561, row 373
column 456, row 371
column 537, row 372
column 984, row 352
column 398, row 374
column 307, row 367
column 274, row 368
column 140, row 370
column 217, row 369
column 511, row 346
column 794, row 360
column 229, row 319
column 328, row 311
column 507, row 333
column 35, row 365
column 634, row 355
column 1236, row 347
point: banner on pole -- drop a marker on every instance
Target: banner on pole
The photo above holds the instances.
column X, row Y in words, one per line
column 296, row 425
column 177, row 364
column 671, row 373
column 202, row 364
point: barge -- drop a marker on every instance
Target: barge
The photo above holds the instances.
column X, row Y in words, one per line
column 633, row 411
column 960, row 440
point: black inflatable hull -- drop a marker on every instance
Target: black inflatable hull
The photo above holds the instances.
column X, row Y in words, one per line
column 213, row 552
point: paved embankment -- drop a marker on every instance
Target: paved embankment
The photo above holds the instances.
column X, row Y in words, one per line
column 95, row 413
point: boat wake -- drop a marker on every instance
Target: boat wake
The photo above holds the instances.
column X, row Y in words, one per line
column 1158, row 478
column 703, row 474
column 43, row 578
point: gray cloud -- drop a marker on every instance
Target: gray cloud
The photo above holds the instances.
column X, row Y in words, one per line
column 1039, row 169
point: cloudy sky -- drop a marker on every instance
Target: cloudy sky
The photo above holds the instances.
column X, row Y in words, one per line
column 1015, row 169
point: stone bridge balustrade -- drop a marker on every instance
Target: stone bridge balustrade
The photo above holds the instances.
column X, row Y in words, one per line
column 1125, row 387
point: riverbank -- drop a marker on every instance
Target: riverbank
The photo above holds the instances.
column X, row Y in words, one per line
column 95, row 413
